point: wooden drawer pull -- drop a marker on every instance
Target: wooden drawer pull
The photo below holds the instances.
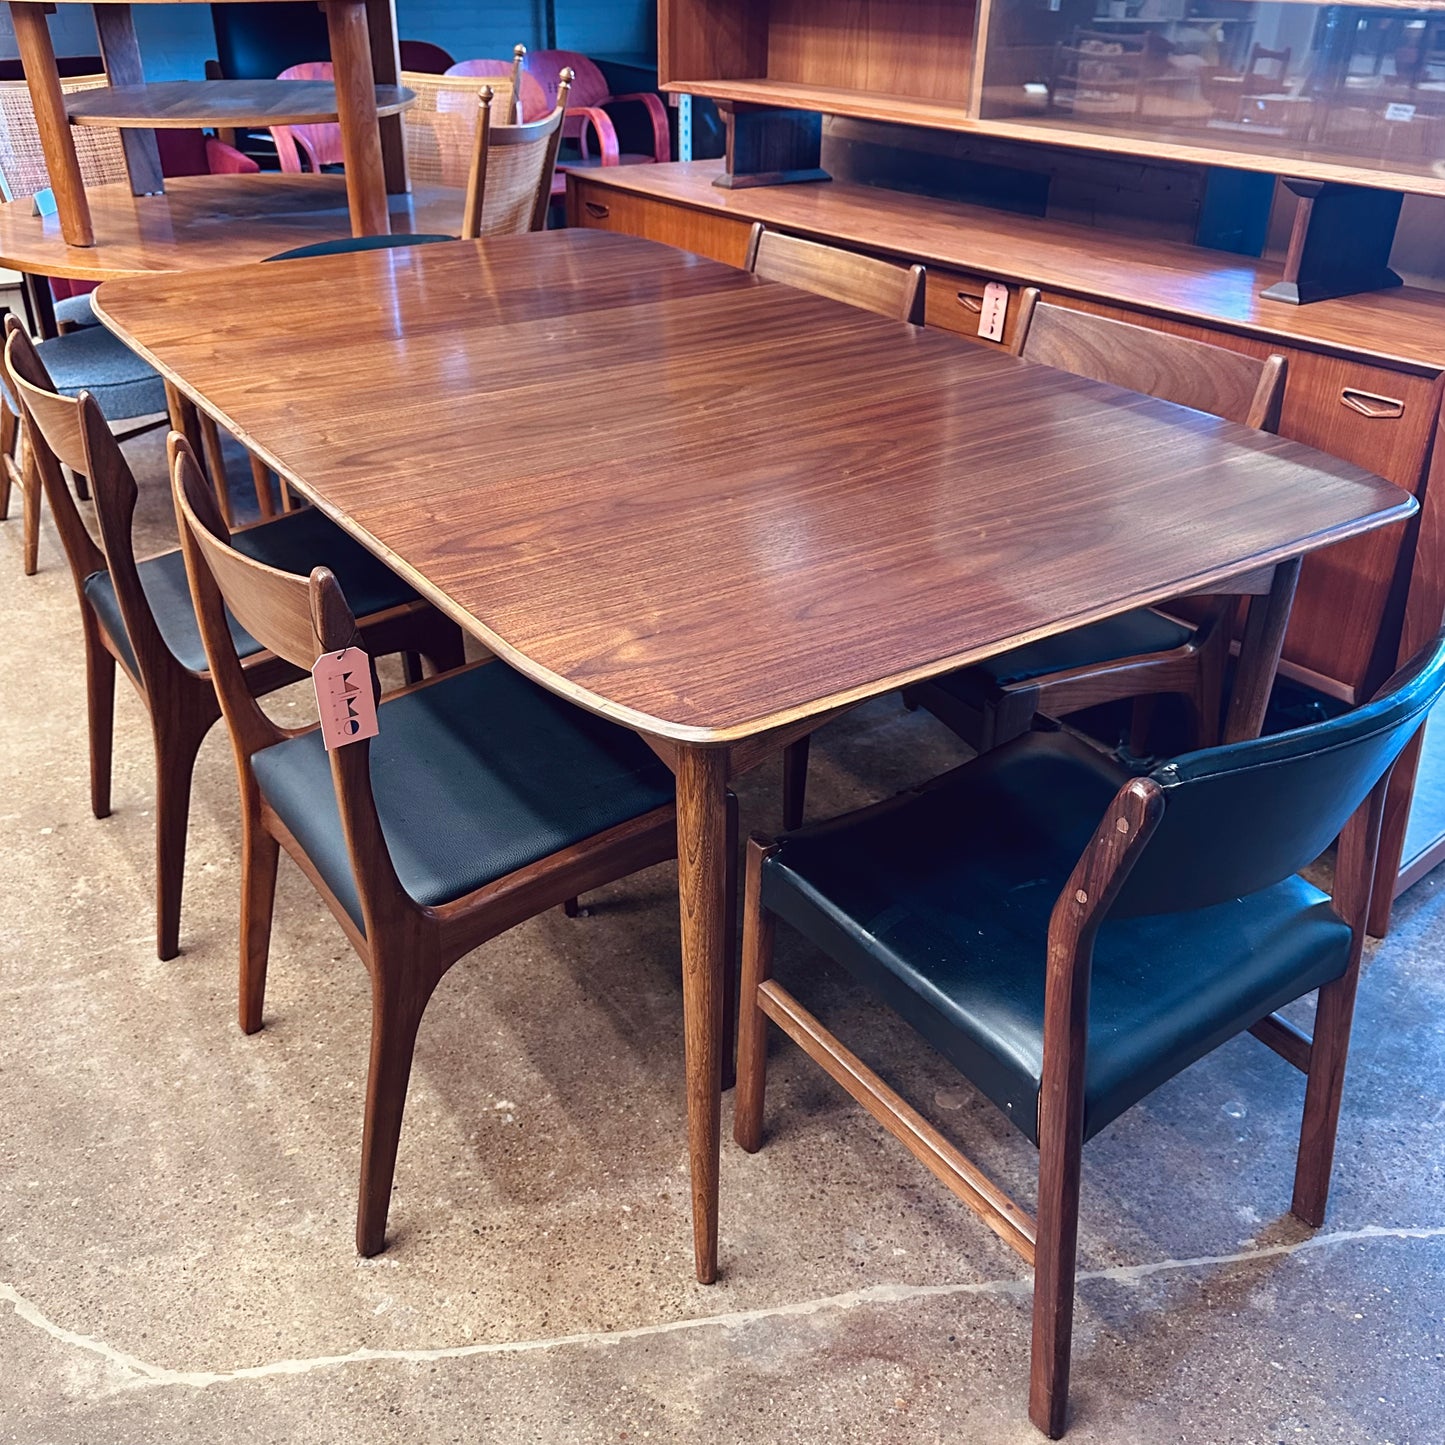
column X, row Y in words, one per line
column 1369, row 404
column 596, row 210
column 970, row 303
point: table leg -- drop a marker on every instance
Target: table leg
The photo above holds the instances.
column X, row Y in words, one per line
column 119, row 49
column 186, row 419
column 356, row 110
column 37, row 60
column 386, row 69
column 702, row 840
column 1259, row 654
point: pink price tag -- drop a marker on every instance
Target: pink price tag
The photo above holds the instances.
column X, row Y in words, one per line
column 344, row 697
column 992, row 312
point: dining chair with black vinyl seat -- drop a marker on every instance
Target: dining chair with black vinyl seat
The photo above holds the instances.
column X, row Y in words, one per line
column 887, row 287
column 1147, row 652
column 1070, row 937
column 482, row 801
column 138, row 613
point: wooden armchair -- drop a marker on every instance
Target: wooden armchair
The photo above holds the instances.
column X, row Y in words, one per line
column 482, row 801
column 1071, row 937
column 589, row 107
column 1144, row 652
column 138, row 614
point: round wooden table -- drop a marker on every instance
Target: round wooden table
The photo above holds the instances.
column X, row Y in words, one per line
column 205, row 221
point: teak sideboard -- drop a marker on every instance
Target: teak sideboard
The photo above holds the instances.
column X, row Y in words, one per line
column 1365, row 382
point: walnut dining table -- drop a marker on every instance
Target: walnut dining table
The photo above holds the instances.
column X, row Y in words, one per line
column 718, row 509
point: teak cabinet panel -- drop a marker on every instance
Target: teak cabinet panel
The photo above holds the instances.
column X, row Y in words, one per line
column 719, row 238
column 954, row 300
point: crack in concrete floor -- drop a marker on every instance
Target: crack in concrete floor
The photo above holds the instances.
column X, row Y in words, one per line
column 142, row 1374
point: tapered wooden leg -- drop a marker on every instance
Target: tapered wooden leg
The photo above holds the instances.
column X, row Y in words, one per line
column 1259, row 651
column 730, row 957
column 1333, row 1017
column 572, row 907
column 702, row 889
column 216, row 464
column 30, row 509
column 258, row 903
column 261, row 482
column 758, row 926
column 396, row 1012
column 346, row 25
column 795, row 783
column 1056, row 1251
column 100, row 708
column 411, row 669
column 9, row 455
column 175, row 762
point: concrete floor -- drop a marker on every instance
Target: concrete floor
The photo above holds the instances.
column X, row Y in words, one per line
column 176, row 1200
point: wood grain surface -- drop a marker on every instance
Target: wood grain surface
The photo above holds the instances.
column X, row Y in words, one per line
column 1404, row 326
column 185, row 104
column 205, row 221
column 775, row 504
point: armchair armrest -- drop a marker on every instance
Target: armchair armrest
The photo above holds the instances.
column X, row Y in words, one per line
column 601, row 122
column 226, row 160
column 657, row 113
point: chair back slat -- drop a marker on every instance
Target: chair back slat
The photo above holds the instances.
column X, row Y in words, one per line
column 863, row 281
column 509, row 186
column 28, row 383
column 273, row 606
column 1245, row 816
column 1191, row 373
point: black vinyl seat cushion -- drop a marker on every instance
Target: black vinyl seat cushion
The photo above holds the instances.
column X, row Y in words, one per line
column 294, row 543
column 475, row 776
column 1128, row 635
column 939, row 903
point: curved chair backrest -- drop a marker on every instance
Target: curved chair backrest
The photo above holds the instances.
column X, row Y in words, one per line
column 1245, row 816
column 440, row 128
column 863, row 281
column 22, row 161
column 509, row 188
column 73, row 431
column 1226, row 384
column 297, row 618
column 589, row 85
column 321, row 143
column 531, row 101
column 424, row 56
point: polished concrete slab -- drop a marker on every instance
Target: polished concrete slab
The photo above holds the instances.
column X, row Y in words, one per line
column 176, row 1200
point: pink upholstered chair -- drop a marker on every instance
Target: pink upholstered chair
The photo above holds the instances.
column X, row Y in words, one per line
column 535, row 102
column 321, row 143
column 587, row 115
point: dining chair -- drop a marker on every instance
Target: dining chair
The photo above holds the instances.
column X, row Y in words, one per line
column 1070, row 937
column 138, row 613
column 481, row 801
column 528, row 99
column 317, row 145
column 886, row 287
column 509, row 181
column 1148, row 651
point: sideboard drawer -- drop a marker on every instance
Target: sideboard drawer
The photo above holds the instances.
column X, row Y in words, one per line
column 955, row 303
column 600, row 207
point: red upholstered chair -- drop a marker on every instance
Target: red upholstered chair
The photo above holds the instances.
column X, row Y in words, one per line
column 587, row 114
column 536, row 103
column 320, row 143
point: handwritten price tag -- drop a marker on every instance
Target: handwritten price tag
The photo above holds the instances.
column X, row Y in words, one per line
column 344, row 697
column 993, row 311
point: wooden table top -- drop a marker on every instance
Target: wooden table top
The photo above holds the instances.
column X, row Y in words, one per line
column 705, row 504
column 205, row 221
column 1403, row 326
column 185, row 104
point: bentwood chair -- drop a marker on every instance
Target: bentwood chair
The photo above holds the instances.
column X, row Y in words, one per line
column 317, row 145
column 1071, row 937
column 482, row 801
column 886, row 287
column 1145, row 652
column 138, row 613
column 527, row 98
